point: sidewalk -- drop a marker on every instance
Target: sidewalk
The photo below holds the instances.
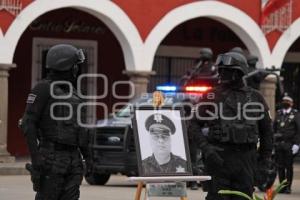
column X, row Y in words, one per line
column 15, row 168
column 18, row 168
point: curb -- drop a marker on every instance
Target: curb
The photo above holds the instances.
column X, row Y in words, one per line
column 17, row 168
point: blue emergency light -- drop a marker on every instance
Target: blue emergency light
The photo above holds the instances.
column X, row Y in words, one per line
column 166, row 88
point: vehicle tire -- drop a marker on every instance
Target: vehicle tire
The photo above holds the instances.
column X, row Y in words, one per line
column 96, row 178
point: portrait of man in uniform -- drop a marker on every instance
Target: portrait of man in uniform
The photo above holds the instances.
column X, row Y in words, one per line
column 162, row 145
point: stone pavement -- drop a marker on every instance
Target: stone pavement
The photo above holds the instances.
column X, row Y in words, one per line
column 19, row 187
column 14, row 168
column 13, row 187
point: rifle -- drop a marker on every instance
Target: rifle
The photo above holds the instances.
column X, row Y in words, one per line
column 265, row 72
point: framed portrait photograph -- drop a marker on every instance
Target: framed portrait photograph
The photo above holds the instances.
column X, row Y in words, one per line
column 161, row 141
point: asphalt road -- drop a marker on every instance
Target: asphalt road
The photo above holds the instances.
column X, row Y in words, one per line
column 19, row 187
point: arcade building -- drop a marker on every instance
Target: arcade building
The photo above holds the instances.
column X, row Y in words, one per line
column 149, row 42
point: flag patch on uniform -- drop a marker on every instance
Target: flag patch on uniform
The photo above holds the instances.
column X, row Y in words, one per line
column 31, row 98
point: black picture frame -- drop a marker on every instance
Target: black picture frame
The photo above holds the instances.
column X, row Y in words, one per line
column 180, row 162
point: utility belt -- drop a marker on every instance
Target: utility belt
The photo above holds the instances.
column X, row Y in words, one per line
column 50, row 145
column 234, row 133
column 281, row 138
column 236, row 147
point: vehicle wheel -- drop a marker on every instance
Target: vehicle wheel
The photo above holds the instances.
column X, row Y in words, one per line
column 97, row 179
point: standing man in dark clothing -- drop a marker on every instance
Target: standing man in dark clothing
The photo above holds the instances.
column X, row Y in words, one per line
column 287, row 140
column 51, row 127
column 236, row 116
column 255, row 80
column 204, row 72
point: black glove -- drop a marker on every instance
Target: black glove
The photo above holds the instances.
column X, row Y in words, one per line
column 37, row 161
column 35, row 177
column 264, row 162
column 212, row 158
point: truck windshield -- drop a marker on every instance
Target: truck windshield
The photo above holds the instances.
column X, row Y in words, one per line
column 124, row 112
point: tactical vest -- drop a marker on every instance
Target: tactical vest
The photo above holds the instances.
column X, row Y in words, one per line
column 236, row 131
column 64, row 131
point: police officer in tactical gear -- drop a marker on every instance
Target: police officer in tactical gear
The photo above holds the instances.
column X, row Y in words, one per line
column 160, row 128
column 203, row 68
column 204, row 71
column 287, row 140
column 236, row 116
column 55, row 140
column 255, row 80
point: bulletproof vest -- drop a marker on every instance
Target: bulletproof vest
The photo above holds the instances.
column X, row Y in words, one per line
column 66, row 129
column 286, row 125
column 239, row 129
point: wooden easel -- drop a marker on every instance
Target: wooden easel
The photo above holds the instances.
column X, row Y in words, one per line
column 158, row 100
column 141, row 181
column 139, row 190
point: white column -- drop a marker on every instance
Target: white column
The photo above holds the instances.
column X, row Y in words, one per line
column 4, row 155
column 140, row 79
column 268, row 90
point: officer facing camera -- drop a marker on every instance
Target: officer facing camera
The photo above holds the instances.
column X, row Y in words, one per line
column 230, row 145
column 287, row 140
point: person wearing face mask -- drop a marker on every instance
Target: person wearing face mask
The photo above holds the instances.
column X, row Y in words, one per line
column 230, row 145
column 161, row 129
column 287, row 140
column 50, row 124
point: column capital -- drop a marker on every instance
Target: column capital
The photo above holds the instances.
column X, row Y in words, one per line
column 271, row 79
column 132, row 73
column 4, row 68
column 140, row 79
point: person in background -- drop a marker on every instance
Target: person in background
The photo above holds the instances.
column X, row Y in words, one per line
column 287, row 140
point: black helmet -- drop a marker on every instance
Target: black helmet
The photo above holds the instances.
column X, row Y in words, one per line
column 232, row 60
column 63, row 57
column 237, row 50
column 252, row 60
column 206, row 54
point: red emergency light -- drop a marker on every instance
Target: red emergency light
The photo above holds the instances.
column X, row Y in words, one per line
column 197, row 88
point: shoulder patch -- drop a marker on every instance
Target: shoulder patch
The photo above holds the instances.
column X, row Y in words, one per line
column 31, row 98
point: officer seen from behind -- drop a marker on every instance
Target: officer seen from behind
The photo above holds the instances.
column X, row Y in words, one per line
column 287, row 140
column 236, row 116
column 55, row 140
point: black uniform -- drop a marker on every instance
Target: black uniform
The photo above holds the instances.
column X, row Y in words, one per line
column 175, row 165
column 229, row 147
column 56, row 141
column 287, row 129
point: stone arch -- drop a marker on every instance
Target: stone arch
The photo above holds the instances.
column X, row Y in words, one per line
column 285, row 41
column 107, row 11
column 241, row 24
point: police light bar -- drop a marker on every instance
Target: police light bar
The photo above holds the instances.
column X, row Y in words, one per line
column 166, row 88
column 197, row 88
